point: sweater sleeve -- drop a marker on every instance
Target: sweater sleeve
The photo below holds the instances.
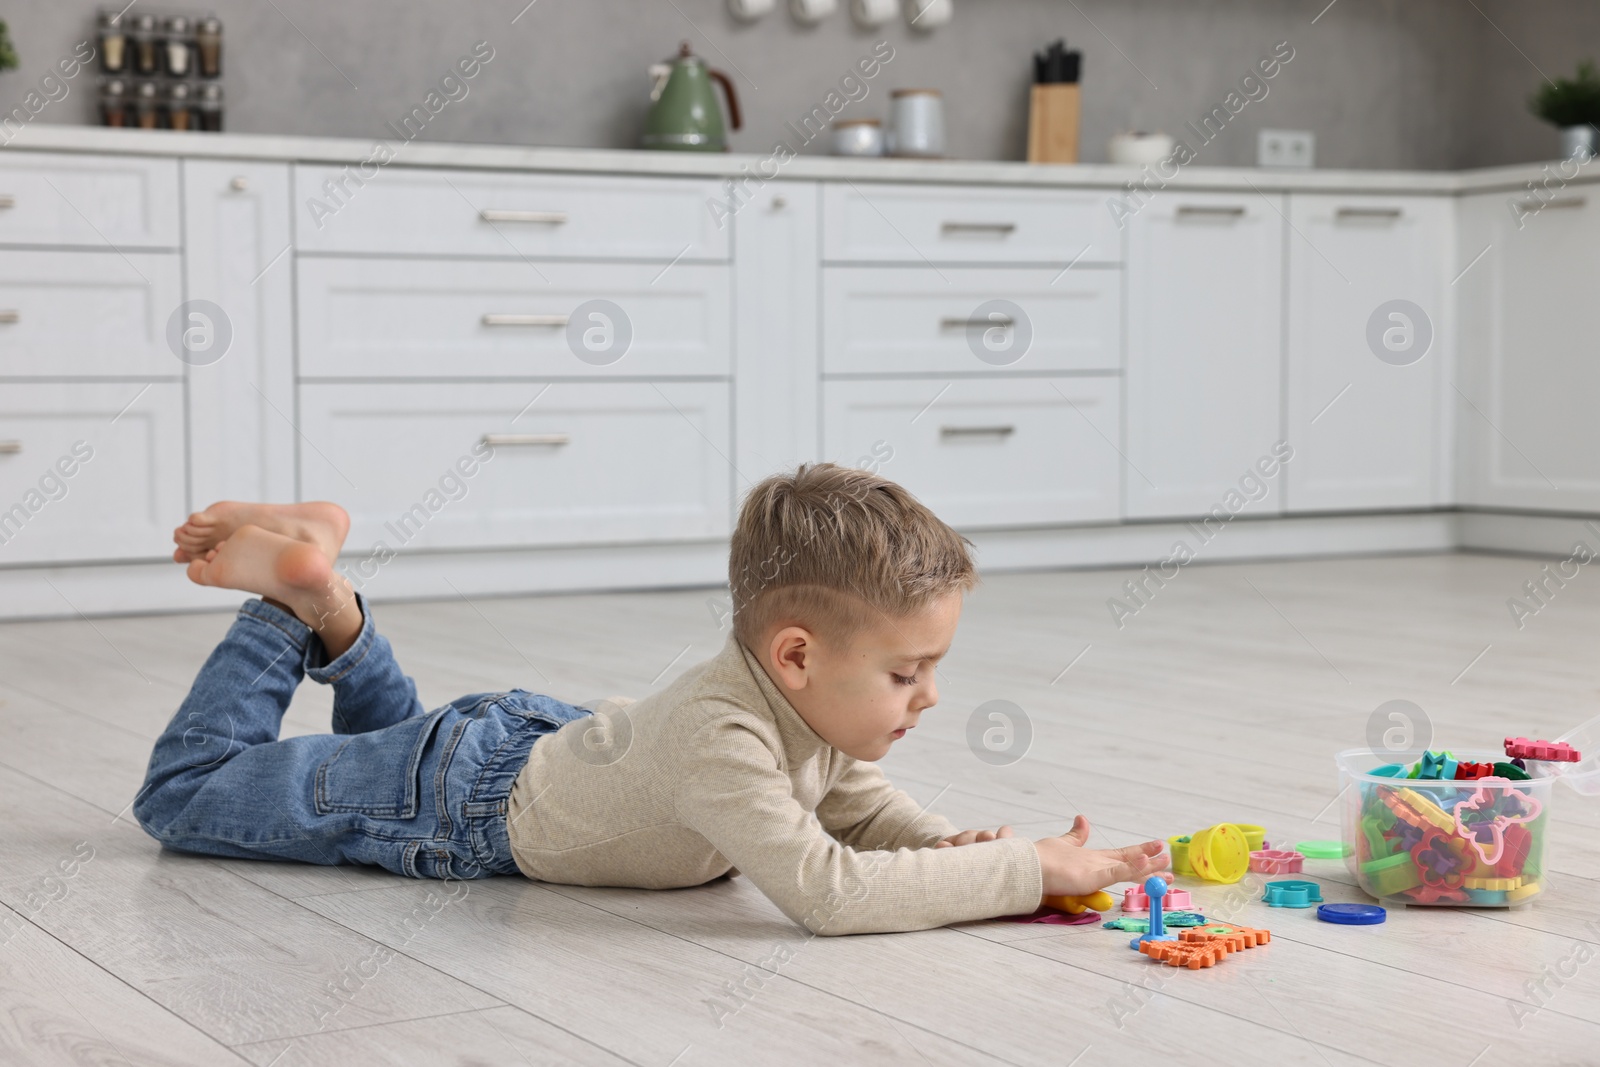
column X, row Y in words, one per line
column 731, row 791
column 863, row 810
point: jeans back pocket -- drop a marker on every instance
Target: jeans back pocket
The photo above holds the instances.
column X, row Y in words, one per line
column 378, row 773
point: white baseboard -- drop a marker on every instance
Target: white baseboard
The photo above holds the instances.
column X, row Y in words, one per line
column 1533, row 535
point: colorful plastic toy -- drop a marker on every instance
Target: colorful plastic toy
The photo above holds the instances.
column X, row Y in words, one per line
column 1255, row 837
column 1155, row 887
column 1466, row 772
column 1136, row 901
column 1207, row 946
column 1352, row 914
column 1418, row 810
column 1548, row 751
column 1522, row 892
column 1276, row 861
column 1220, row 853
column 1178, row 849
column 1442, row 860
column 1433, row 894
column 1051, row 917
column 1323, row 850
column 1100, row 901
column 1512, row 771
column 1291, row 893
column 1436, row 766
column 1483, row 818
column 1391, row 875
column 1135, row 925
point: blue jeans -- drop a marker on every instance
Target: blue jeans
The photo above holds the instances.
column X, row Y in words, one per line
column 422, row 794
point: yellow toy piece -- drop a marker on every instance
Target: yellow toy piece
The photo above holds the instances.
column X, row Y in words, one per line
column 1522, row 892
column 1100, row 901
column 1425, row 807
column 1503, row 885
column 1220, row 853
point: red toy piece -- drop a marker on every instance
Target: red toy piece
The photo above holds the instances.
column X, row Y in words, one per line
column 1470, row 772
column 1549, row 751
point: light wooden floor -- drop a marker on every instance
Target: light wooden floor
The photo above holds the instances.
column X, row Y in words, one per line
column 1224, row 699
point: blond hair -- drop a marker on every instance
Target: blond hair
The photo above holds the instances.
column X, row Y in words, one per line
column 835, row 549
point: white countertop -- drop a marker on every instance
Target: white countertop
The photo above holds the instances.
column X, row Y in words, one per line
column 337, row 150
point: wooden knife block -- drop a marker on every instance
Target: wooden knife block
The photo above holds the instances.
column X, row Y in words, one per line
column 1053, row 115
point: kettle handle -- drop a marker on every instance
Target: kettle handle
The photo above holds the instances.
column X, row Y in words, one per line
column 733, row 98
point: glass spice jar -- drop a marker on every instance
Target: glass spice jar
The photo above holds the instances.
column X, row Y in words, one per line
column 177, row 47
column 146, row 106
column 208, row 38
column 210, row 107
column 113, row 43
column 143, row 45
column 114, row 102
column 180, row 112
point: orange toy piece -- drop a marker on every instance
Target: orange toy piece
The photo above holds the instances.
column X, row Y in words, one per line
column 1077, row 905
column 1205, row 946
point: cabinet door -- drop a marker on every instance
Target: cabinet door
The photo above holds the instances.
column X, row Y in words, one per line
column 242, row 441
column 102, row 202
column 986, row 453
column 484, row 465
column 1205, row 349
column 90, row 471
column 1526, row 400
column 1365, row 372
column 775, row 330
column 87, row 314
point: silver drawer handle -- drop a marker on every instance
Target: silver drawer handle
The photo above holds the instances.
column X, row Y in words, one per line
column 524, row 439
column 977, row 431
column 9, row 316
column 1224, row 210
column 1368, row 213
column 7, row 200
column 1534, row 203
column 493, row 214
column 10, row 448
column 978, row 227
column 525, row 320
column 962, row 324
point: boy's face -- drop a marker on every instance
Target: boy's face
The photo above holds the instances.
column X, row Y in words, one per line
column 863, row 696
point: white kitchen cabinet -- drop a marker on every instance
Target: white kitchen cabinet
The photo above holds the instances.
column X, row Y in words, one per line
column 437, row 318
column 986, row 453
column 1526, row 401
column 112, row 203
column 241, row 402
column 90, row 471
column 410, row 210
column 568, row 462
column 775, row 300
column 87, row 314
column 1365, row 429
column 970, row 320
column 867, row 222
column 1205, row 349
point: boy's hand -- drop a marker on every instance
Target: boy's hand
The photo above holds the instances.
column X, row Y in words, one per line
column 967, row 837
column 1071, row 870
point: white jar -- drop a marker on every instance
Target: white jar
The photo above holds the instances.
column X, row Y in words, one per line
column 858, row 137
column 916, row 123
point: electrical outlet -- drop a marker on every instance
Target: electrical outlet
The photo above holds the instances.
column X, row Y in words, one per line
column 1286, row 148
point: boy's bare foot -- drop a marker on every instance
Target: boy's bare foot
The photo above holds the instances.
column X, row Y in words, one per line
column 319, row 523
column 294, row 573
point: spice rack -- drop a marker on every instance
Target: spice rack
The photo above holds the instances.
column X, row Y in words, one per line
column 162, row 72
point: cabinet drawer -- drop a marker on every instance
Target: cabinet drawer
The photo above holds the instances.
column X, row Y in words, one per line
column 420, row 318
column 1019, row 452
column 879, row 320
column 460, row 212
column 90, row 471
column 87, row 313
column 567, row 462
column 88, row 201
column 918, row 224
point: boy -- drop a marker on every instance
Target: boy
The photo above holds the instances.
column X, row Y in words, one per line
column 846, row 595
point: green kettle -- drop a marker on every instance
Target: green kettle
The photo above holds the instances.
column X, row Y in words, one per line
column 685, row 114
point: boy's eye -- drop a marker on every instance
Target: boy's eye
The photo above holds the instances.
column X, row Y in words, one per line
column 903, row 680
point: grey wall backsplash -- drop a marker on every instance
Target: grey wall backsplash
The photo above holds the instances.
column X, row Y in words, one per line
column 1408, row 84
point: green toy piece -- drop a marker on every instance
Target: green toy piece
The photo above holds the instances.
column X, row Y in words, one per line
column 1323, row 850
column 1142, row 926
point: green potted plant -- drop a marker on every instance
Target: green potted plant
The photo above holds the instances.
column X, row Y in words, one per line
column 1573, row 106
column 8, row 54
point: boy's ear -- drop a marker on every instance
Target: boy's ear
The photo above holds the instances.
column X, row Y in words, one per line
column 792, row 652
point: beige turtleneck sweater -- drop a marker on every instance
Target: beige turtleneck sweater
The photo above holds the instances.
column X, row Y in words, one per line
column 718, row 773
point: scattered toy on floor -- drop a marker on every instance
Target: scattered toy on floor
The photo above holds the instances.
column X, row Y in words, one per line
column 1155, row 888
column 1352, row 914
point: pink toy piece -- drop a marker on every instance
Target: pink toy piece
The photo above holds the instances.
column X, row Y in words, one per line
column 1134, row 901
column 1496, row 809
column 1549, row 751
column 1276, row 861
column 1052, row 917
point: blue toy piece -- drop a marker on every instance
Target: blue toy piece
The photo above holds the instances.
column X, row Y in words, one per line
column 1292, row 893
column 1352, row 914
column 1136, row 925
column 1438, row 766
column 1155, row 888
